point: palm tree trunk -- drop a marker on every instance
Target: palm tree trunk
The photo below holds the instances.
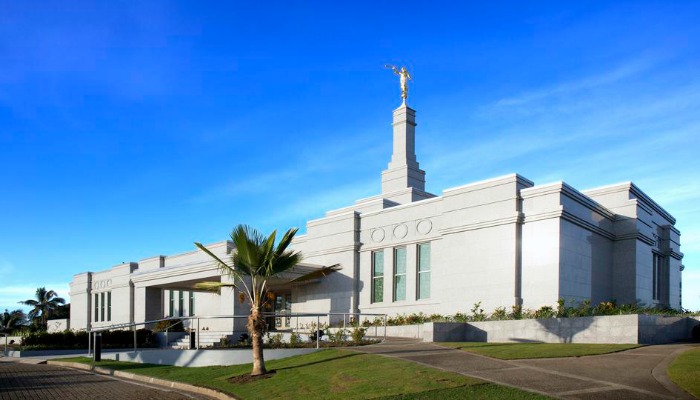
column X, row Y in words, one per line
column 256, row 327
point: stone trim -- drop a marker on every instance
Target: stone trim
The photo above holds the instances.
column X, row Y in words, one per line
column 570, row 192
column 481, row 225
column 489, row 183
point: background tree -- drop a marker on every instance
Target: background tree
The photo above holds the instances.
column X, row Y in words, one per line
column 45, row 303
column 254, row 261
column 11, row 320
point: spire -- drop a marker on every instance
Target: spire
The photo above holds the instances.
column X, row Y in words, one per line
column 403, row 171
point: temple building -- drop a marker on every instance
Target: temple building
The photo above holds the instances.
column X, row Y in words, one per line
column 503, row 242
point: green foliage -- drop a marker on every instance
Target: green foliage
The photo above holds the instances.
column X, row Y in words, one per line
column 44, row 305
column 582, row 309
column 171, row 325
column 275, row 341
column 478, row 312
column 294, row 340
column 358, row 334
column 12, row 321
column 499, row 314
column 459, row 317
column 545, row 312
column 79, row 340
column 517, row 312
column 339, row 336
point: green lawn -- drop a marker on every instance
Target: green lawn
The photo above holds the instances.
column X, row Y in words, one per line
column 515, row 351
column 685, row 371
column 331, row 374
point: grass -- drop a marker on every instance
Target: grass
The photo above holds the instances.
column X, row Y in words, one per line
column 516, row 351
column 330, row 374
column 685, row 371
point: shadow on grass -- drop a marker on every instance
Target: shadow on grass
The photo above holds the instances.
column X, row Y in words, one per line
column 318, row 362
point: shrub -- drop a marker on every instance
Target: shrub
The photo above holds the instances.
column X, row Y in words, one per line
column 171, row 325
column 545, row 312
column 294, row 340
column 499, row 314
column 478, row 312
column 358, row 334
column 460, row 317
column 338, row 337
column 71, row 339
column 274, row 341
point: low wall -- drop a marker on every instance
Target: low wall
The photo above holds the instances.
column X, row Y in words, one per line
column 57, row 325
column 604, row 329
column 638, row 329
column 44, row 353
column 10, row 340
column 406, row 331
column 201, row 358
column 657, row 329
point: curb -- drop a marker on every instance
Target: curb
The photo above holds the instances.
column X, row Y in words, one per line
column 146, row 379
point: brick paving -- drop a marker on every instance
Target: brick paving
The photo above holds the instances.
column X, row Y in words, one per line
column 19, row 381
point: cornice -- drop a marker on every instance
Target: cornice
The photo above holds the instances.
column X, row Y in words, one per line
column 168, row 272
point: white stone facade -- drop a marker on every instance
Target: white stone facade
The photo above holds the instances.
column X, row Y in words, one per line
column 501, row 242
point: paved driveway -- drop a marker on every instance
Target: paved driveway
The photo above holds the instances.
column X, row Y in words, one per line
column 633, row 374
column 40, row 381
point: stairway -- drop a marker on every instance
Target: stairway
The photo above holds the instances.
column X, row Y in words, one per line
column 206, row 339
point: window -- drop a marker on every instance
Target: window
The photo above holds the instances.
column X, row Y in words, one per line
column 191, row 303
column 102, row 306
column 423, row 271
column 660, row 278
column 399, row 273
column 181, row 303
column 377, row 276
column 109, row 306
column 171, row 301
column 97, row 307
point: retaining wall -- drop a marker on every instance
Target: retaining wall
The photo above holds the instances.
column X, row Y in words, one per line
column 641, row 329
column 201, row 358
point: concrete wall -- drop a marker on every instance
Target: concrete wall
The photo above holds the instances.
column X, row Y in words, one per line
column 201, row 358
column 57, row 325
column 643, row 329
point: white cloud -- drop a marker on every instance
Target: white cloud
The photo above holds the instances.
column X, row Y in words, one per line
column 622, row 72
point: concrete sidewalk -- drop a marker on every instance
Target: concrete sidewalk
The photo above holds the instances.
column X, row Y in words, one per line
column 634, row 374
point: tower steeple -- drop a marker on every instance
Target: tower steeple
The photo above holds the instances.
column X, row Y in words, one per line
column 403, row 180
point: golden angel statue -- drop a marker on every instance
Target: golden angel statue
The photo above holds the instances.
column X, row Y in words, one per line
column 404, row 77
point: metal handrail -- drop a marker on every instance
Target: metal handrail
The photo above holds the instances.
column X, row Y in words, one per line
column 133, row 325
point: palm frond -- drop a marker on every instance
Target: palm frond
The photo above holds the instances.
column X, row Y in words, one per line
column 214, row 286
column 319, row 273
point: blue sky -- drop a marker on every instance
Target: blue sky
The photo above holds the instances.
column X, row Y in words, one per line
column 129, row 130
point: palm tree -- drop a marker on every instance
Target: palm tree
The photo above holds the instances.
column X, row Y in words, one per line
column 45, row 303
column 256, row 260
column 9, row 320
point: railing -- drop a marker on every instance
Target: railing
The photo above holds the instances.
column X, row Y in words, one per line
column 4, row 353
column 348, row 318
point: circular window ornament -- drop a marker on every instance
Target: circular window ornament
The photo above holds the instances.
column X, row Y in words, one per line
column 377, row 235
column 424, row 226
column 400, row 231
